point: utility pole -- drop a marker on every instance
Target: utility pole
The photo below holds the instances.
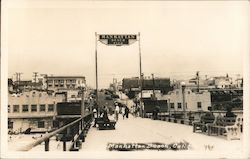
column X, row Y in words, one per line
column 141, row 75
column 46, row 80
column 153, row 80
column 18, row 79
column 198, row 81
column 96, row 72
column 35, row 75
column 82, row 104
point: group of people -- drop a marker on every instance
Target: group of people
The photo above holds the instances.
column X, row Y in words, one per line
column 103, row 114
column 135, row 110
column 104, row 111
column 124, row 110
column 218, row 119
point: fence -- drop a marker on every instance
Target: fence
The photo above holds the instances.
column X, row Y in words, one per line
column 72, row 132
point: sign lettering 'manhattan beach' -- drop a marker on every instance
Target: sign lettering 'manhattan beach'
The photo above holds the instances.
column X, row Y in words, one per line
column 117, row 40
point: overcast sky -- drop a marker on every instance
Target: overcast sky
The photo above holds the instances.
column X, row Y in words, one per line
column 177, row 38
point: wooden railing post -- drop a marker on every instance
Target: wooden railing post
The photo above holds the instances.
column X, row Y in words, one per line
column 82, row 124
column 64, row 145
column 46, row 145
column 67, row 131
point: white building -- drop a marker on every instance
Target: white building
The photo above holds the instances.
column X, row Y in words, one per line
column 33, row 109
column 222, row 82
column 65, row 82
column 194, row 101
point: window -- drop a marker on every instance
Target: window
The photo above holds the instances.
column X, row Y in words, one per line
column 51, row 107
column 15, row 108
column 198, row 105
column 55, row 124
column 40, row 124
column 33, row 108
column 172, row 105
column 8, row 108
column 186, row 105
column 179, row 105
column 42, row 108
column 50, row 81
column 10, row 125
column 61, row 83
column 25, row 108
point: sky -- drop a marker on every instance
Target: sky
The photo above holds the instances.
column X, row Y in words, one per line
column 177, row 38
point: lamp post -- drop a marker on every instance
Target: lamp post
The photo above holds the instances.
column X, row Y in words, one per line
column 82, row 89
column 183, row 86
column 169, row 108
column 141, row 99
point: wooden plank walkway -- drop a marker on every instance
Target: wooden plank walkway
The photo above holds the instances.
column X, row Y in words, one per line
column 139, row 130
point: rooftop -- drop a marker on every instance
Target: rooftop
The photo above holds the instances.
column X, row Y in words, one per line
column 66, row 77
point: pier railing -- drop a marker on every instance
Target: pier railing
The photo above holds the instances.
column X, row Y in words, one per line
column 73, row 132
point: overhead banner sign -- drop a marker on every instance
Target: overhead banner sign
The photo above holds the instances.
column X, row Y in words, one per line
column 117, row 40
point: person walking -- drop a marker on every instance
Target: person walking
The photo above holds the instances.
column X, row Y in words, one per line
column 95, row 116
column 126, row 111
column 123, row 111
column 137, row 111
column 117, row 110
column 105, row 114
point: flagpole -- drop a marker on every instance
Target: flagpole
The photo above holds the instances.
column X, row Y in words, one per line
column 139, row 43
column 96, row 72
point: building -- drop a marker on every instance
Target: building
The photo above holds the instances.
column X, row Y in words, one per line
column 23, row 85
column 132, row 85
column 224, row 82
column 239, row 83
column 10, row 85
column 57, row 83
column 194, row 101
column 33, row 109
column 222, row 98
column 193, row 86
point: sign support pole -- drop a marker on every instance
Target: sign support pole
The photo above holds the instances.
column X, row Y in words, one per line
column 141, row 76
column 96, row 73
column 118, row 40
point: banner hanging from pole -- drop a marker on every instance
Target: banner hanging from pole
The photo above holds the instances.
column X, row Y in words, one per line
column 117, row 40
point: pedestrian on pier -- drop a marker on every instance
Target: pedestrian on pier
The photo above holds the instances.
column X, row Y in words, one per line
column 117, row 110
column 126, row 111
column 95, row 116
column 123, row 111
column 105, row 114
